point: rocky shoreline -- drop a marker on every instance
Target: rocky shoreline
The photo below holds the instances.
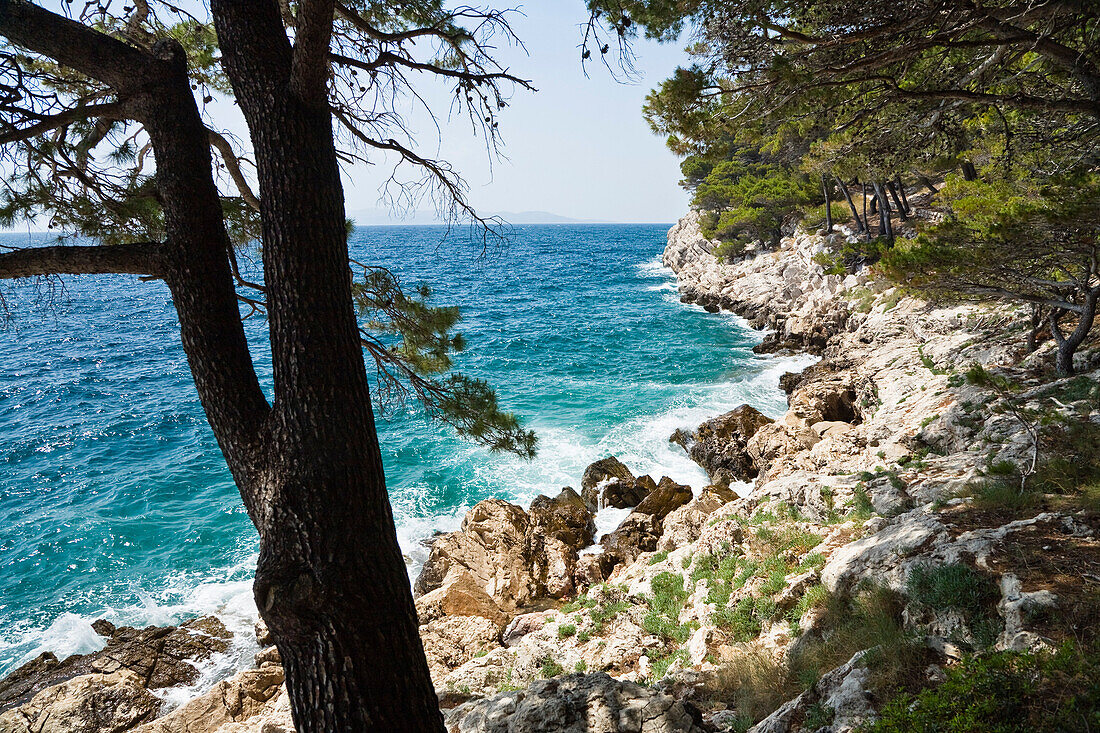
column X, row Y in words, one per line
column 858, row 489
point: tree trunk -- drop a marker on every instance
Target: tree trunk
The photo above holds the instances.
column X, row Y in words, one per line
column 968, row 171
column 904, row 198
column 927, row 183
column 331, row 582
column 886, row 227
column 1067, row 345
column 1033, row 329
column 866, row 221
column 897, row 201
column 851, row 204
column 828, row 206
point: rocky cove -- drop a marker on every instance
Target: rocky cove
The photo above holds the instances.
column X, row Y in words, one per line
column 706, row 609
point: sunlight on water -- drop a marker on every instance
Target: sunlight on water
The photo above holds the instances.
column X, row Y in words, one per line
column 114, row 499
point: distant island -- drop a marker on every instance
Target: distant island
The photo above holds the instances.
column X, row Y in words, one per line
column 383, row 217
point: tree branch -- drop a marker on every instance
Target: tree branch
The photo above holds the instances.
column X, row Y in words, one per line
column 139, row 258
column 109, row 110
column 232, row 164
column 94, row 54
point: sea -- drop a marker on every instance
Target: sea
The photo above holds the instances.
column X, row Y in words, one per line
column 115, row 501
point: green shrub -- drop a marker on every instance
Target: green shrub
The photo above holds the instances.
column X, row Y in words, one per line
column 659, row 557
column 954, row 587
column 668, row 599
column 550, row 667
column 566, row 630
column 1004, row 692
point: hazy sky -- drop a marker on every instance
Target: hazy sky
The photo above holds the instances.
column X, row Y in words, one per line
column 578, row 147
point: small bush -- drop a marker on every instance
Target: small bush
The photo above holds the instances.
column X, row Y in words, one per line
column 668, row 598
column 550, row 668
column 566, row 630
column 659, row 557
column 1005, row 692
column 953, row 587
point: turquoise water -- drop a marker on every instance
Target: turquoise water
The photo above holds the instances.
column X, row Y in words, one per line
column 114, row 500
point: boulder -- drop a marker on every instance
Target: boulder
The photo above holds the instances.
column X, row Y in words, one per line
column 626, row 494
column 523, row 625
column 87, row 703
column 509, row 556
column 637, row 534
column 249, row 696
column 566, row 517
column 159, row 656
column 684, row 525
column 574, row 703
column 668, row 496
column 460, row 595
column 492, row 547
column 718, row 445
column 603, row 469
column 451, row 641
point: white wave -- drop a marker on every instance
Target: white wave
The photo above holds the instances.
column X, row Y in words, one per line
column 654, row 267
column 666, row 286
column 184, row 596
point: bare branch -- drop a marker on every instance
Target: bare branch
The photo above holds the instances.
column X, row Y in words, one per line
column 233, row 165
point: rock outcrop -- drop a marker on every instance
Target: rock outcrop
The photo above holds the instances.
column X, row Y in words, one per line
column 856, row 491
column 594, row 703
column 718, row 445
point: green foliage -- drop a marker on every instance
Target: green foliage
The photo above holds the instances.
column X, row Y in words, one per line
column 861, row 507
column 566, row 630
column 955, row 587
column 1006, row 692
column 1023, row 239
column 412, row 344
column 751, row 201
column 1067, row 473
column 550, row 668
column 663, row 618
column 659, row 557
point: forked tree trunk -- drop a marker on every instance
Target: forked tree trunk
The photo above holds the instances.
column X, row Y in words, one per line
column 897, row 201
column 886, row 227
column 1068, row 345
column 331, row 582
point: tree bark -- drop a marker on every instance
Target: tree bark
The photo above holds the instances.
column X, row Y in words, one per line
column 851, row 204
column 886, row 227
column 968, row 171
column 331, row 582
column 1068, row 345
column 866, row 221
column 897, row 201
column 904, row 198
column 138, row 258
column 1034, row 325
column 828, row 205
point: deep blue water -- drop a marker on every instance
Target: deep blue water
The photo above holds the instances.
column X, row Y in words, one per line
column 114, row 499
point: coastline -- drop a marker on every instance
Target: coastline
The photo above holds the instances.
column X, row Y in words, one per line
column 861, row 475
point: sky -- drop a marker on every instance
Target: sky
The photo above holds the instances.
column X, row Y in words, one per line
column 577, row 147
